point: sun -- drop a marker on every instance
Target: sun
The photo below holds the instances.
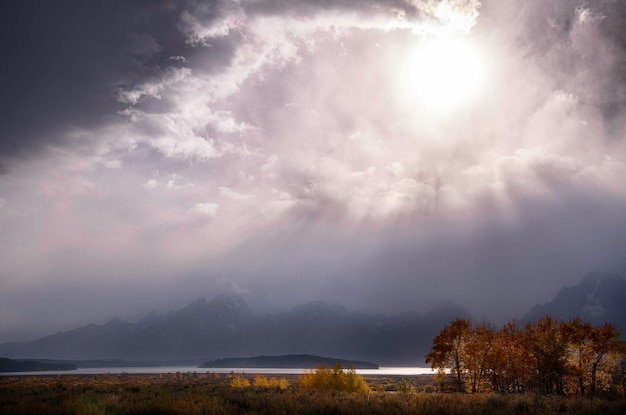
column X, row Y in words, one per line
column 442, row 74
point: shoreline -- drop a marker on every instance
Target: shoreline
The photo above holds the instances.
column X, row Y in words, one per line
column 382, row 371
column 423, row 378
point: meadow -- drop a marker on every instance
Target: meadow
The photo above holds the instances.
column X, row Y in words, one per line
column 189, row 393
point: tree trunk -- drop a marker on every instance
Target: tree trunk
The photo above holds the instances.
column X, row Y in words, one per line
column 594, row 369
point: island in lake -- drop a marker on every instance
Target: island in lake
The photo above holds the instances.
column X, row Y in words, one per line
column 8, row 365
column 291, row 361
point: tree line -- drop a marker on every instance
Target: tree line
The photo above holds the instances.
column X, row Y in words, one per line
column 549, row 357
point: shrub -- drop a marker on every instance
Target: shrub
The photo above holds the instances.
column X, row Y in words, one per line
column 405, row 386
column 261, row 382
column 239, row 382
column 335, row 379
column 278, row 383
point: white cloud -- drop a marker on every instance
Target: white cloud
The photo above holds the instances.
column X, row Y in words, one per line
column 584, row 15
column 151, row 184
column 283, row 112
column 270, row 39
column 152, row 89
column 227, row 286
column 205, row 209
column 206, row 21
column 233, row 195
column 396, row 168
column 175, row 136
column 112, row 164
column 224, row 122
column 3, row 203
column 269, row 167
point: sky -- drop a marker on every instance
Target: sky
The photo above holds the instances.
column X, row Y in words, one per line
column 386, row 155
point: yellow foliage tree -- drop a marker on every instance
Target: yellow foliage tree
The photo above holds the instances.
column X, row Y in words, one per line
column 449, row 350
column 278, row 383
column 239, row 382
column 260, row 382
column 335, row 379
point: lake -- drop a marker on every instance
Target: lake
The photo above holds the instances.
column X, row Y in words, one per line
column 399, row 371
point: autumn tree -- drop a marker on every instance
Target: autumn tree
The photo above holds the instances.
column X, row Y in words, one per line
column 606, row 348
column 579, row 339
column 449, row 350
column 509, row 365
column 547, row 344
column 592, row 351
column 478, row 352
column 547, row 356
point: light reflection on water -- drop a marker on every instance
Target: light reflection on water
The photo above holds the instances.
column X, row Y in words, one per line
column 399, row 371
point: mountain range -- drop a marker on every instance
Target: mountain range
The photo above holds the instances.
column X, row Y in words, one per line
column 597, row 299
column 226, row 327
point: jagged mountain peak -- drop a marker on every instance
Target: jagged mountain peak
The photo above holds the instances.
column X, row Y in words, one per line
column 115, row 321
column 199, row 303
column 222, row 308
column 604, row 278
column 225, row 326
column 151, row 318
column 223, row 301
column 598, row 298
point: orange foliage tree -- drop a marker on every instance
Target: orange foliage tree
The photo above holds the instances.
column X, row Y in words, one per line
column 548, row 356
column 478, row 354
column 449, row 350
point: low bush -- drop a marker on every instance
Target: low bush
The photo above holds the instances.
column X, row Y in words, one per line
column 239, row 382
column 335, row 379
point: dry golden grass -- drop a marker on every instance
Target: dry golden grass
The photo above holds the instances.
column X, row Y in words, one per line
column 213, row 394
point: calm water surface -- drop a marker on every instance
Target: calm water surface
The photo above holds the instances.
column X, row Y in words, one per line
column 401, row 371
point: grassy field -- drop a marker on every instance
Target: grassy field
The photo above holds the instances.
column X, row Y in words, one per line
column 213, row 394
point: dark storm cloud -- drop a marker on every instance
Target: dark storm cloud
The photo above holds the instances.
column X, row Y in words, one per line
column 64, row 60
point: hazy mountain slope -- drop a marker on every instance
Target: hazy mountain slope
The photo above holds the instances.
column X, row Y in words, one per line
column 226, row 327
column 198, row 329
column 598, row 298
column 320, row 328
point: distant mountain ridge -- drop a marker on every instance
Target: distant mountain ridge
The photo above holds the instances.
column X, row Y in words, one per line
column 199, row 328
column 8, row 365
column 599, row 298
column 226, row 327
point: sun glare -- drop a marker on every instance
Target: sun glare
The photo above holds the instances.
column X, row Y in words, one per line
column 442, row 74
